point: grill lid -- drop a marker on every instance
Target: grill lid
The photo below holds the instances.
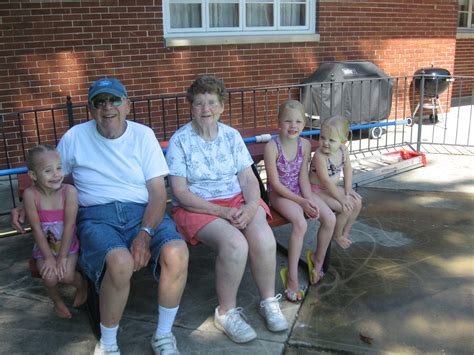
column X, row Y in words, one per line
column 436, row 80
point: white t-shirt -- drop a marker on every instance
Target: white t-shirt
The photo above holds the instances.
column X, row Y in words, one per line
column 108, row 170
column 210, row 167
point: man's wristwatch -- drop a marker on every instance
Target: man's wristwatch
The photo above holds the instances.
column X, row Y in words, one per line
column 147, row 230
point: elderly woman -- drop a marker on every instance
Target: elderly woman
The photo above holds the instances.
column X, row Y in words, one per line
column 217, row 202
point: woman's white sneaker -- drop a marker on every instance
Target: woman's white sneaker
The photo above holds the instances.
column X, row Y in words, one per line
column 234, row 325
column 271, row 312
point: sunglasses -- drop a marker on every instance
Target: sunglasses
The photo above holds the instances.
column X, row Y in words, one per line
column 101, row 103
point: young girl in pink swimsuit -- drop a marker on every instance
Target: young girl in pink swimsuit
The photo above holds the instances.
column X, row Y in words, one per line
column 51, row 209
column 286, row 163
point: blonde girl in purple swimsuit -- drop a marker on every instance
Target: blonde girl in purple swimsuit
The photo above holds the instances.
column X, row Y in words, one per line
column 51, row 208
column 286, row 163
column 330, row 159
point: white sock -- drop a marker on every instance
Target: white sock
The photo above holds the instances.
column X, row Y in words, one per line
column 108, row 336
column 166, row 318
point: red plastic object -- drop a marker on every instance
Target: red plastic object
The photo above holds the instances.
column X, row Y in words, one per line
column 407, row 154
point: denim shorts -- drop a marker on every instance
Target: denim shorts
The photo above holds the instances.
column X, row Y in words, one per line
column 114, row 225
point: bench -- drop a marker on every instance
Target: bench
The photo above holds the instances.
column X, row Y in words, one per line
column 256, row 151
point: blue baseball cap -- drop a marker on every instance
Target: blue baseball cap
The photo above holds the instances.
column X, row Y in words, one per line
column 106, row 85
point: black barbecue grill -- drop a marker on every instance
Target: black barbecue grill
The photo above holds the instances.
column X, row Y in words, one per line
column 437, row 81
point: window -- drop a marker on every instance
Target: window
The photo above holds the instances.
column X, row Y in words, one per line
column 465, row 18
column 188, row 18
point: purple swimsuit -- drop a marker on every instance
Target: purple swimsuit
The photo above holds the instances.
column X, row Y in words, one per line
column 289, row 171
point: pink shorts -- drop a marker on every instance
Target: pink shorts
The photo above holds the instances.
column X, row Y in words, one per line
column 316, row 188
column 190, row 223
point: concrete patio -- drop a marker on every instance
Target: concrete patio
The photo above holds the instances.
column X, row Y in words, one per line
column 405, row 286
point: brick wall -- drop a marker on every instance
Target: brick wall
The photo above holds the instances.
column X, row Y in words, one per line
column 50, row 50
column 464, row 65
column 399, row 36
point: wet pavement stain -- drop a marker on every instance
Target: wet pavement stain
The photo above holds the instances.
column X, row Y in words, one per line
column 406, row 283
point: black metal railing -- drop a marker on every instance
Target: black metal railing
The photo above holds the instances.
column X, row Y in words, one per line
column 448, row 114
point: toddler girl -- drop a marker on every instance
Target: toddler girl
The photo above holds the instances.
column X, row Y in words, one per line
column 329, row 160
column 286, row 163
column 51, row 209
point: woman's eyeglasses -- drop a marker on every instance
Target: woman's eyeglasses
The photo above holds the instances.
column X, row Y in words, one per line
column 201, row 104
column 101, row 103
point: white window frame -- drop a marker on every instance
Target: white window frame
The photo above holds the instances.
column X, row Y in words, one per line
column 469, row 16
column 468, row 31
column 205, row 33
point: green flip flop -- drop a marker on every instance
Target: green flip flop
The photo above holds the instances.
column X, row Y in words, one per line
column 291, row 295
column 309, row 261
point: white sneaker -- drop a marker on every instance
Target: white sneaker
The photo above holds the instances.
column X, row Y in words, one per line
column 100, row 350
column 271, row 312
column 234, row 325
column 164, row 344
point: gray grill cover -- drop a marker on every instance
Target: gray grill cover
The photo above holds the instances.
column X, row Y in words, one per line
column 361, row 92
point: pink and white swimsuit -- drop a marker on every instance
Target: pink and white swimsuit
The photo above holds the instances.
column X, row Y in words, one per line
column 52, row 224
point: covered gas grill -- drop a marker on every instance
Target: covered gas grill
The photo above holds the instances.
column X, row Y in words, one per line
column 359, row 91
column 437, row 81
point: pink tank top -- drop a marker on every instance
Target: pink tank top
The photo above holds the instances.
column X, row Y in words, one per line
column 52, row 224
column 289, row 171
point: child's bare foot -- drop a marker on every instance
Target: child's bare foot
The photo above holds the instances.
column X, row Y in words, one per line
column 344, row 242
column 62, row 311
column 81, row 295
column 291, row 283
column 314, row 277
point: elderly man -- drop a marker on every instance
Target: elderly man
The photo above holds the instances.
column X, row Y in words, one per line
column 118, row 169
